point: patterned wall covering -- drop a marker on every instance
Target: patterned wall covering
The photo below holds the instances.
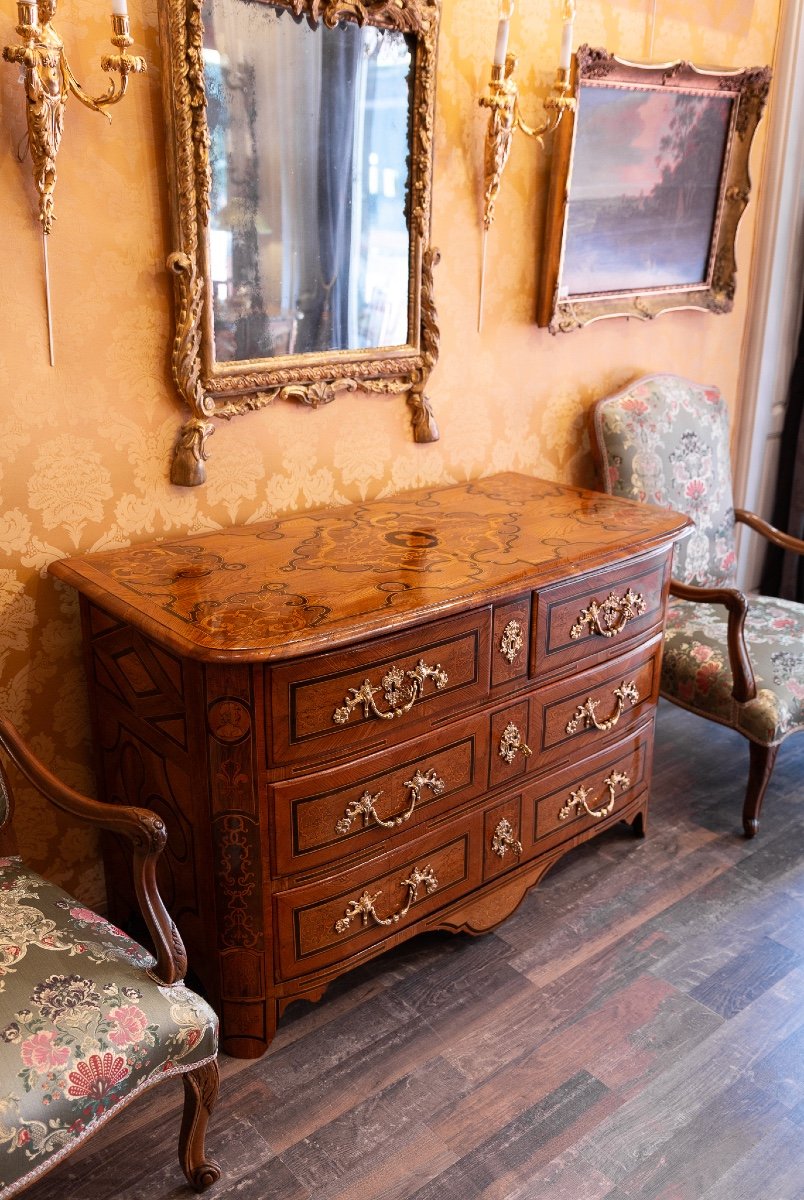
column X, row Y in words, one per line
column 84, row 447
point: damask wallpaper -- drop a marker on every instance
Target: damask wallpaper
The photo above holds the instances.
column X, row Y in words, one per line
column 85, row 446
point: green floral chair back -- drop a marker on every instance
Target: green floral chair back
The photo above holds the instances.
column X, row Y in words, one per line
column 667, row 443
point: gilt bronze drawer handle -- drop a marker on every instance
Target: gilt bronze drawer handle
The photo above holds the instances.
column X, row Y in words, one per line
column 365, row 905
column 585, row 713
column 503, row 839
column 511, row 743
column 610, row 617
column 580, row 799
column 511, row 641
column 401, row 689
column 365, row 806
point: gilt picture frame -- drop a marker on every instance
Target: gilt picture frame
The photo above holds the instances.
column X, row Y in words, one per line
column 649, row 180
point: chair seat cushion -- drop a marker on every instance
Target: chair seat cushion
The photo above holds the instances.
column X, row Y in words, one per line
column 84, row 1026
column 696, row 672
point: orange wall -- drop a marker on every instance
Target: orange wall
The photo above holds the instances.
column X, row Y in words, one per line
column 84, row 446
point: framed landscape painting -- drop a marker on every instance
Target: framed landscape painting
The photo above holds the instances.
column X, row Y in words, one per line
column 648, row 184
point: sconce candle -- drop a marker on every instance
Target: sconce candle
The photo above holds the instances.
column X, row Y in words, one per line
column 566, row 36
column 28, row 14
column 119, row 8
column 503, row 27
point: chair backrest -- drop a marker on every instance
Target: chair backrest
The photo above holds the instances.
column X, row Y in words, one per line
column 665, row 440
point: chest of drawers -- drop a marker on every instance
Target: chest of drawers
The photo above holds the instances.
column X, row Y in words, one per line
column 363, row 723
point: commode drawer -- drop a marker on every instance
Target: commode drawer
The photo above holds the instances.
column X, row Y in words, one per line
column 334, row 919
column 378, row 691
column 593, row 791
column 335, row 814
column 570, row 718
column 594, row 616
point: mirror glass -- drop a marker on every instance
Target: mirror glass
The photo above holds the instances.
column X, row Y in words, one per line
column 309, row 243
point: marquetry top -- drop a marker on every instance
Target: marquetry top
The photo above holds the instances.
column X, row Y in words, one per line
column 317, row 579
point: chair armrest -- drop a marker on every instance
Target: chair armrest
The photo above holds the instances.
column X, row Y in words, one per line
column 144, row 829
column 744, row 685
column 785, row 540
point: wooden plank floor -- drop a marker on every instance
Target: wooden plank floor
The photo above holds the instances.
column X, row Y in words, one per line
column 635, row 1029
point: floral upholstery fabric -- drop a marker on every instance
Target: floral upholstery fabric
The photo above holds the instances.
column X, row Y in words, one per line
column 83, row 1025
column 696, row 673
column 667, row 443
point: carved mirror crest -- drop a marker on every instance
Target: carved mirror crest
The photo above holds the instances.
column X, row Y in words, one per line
column 300, row 159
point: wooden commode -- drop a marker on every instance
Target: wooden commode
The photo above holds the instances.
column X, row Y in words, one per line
column 369, row 721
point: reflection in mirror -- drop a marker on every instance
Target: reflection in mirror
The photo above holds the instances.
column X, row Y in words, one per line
column 309, row 243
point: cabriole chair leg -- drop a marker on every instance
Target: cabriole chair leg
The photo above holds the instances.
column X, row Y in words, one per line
column 759, row 773
column 200, row 1094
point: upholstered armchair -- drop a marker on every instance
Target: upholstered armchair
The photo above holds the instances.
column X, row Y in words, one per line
column 739, row 661
column 89, row 1018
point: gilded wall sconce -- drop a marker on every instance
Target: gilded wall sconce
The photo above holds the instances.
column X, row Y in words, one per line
column 48, row 81
column 505, row 117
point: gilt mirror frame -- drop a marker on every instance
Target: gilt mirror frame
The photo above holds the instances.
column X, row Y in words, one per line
column 229, row 389
column 608, row 248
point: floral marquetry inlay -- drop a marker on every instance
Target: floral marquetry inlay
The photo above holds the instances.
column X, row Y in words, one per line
column 337, row 576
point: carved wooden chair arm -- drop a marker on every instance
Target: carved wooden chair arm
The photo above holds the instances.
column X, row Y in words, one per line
column 785, row 540
column 144, row 829
column 742, row 673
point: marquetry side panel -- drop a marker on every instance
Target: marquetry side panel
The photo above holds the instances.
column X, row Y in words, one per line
column 143, row 745
column 238, row 851
column 139, row 675
column 134, row 771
